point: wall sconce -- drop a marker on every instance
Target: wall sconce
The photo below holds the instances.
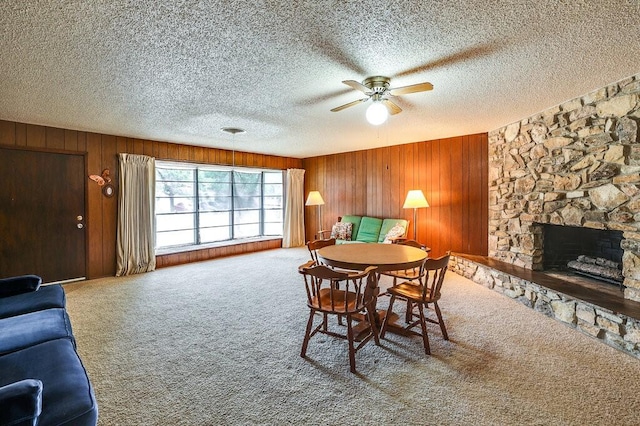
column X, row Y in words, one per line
column 101, row 179
column 104, row 181
column 315, row 199
column 415, row 200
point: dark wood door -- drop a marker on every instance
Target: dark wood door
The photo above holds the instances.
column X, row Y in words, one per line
column 42, row 214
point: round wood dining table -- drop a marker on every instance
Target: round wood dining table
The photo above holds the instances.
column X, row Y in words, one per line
column 387, row 257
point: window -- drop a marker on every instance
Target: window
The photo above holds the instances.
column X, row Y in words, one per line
column 200, row 204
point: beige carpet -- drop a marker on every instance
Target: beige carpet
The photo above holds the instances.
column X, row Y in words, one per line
column 218, row 342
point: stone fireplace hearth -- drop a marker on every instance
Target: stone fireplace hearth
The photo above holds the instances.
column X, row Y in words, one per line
column 576, row 164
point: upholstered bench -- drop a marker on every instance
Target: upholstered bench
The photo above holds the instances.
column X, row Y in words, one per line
column 366, row 229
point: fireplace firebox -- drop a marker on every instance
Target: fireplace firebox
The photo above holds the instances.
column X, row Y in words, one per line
column 594, row 253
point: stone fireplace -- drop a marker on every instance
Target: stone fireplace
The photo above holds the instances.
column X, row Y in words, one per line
column 565, row 183
column 577, row 165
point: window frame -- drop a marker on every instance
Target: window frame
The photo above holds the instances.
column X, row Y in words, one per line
column 197, row 210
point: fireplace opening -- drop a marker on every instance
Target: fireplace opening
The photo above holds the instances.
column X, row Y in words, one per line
column 593, row 253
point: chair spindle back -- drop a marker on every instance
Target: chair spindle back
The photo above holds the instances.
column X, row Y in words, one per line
column 316, row 245
column 334, row 291
column 434, row 272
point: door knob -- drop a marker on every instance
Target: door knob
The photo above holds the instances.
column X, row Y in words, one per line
column 80, row 226
column 78, row 218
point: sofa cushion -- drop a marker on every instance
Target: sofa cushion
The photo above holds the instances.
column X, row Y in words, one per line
column 369, row 229
column 341, row 230
column 355, row 220
column 48, row 296
column 388, row 225
column 21, row 331
column 67, row 395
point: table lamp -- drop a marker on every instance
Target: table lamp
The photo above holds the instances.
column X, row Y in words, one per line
column 315, row 199
column 415, row 200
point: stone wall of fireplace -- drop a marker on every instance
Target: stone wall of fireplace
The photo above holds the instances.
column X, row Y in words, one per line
column 574, row 164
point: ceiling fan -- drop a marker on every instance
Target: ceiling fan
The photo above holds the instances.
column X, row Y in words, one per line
column 377, row 89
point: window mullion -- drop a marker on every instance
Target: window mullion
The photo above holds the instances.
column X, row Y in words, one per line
column 262, row 212
column 196, row 229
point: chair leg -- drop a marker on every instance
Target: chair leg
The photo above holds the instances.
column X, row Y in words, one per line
column 371, row 315
column 383, row 329
column 423, row 325
column 440, row 321
column 307, row 334
column 408, row 316
column 352, row 350
column 337, row 287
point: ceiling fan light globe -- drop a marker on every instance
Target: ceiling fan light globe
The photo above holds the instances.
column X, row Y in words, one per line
column 377, row 113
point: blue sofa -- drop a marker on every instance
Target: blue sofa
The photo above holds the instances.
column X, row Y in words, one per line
column 42, row 379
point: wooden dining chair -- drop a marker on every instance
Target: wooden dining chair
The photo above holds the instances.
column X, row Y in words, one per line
column 316, row 245
column 420, row 293
column 412, row 243
column 343, row 294
column 411, row 274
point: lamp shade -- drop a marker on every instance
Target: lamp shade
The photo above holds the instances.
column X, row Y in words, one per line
column 415, row 200
column 377, row 113
column 314, row 199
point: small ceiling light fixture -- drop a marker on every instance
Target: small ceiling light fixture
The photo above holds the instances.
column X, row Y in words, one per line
column 233, row 131
column 377, row 113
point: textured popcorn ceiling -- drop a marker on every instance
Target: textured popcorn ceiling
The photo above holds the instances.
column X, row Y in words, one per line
column 180, row 70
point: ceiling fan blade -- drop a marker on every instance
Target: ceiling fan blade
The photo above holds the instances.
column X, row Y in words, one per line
column 350, row 104
column 420, row 87
column 393, row 108
column 312, row 100
column 358, row 86
column 322, row 43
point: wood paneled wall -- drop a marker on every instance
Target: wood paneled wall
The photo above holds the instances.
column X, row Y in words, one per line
column 451, row 172
column 101, row 212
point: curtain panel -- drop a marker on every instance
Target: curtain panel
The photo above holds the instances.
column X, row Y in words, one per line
column 293, row 233
column 135, row 242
